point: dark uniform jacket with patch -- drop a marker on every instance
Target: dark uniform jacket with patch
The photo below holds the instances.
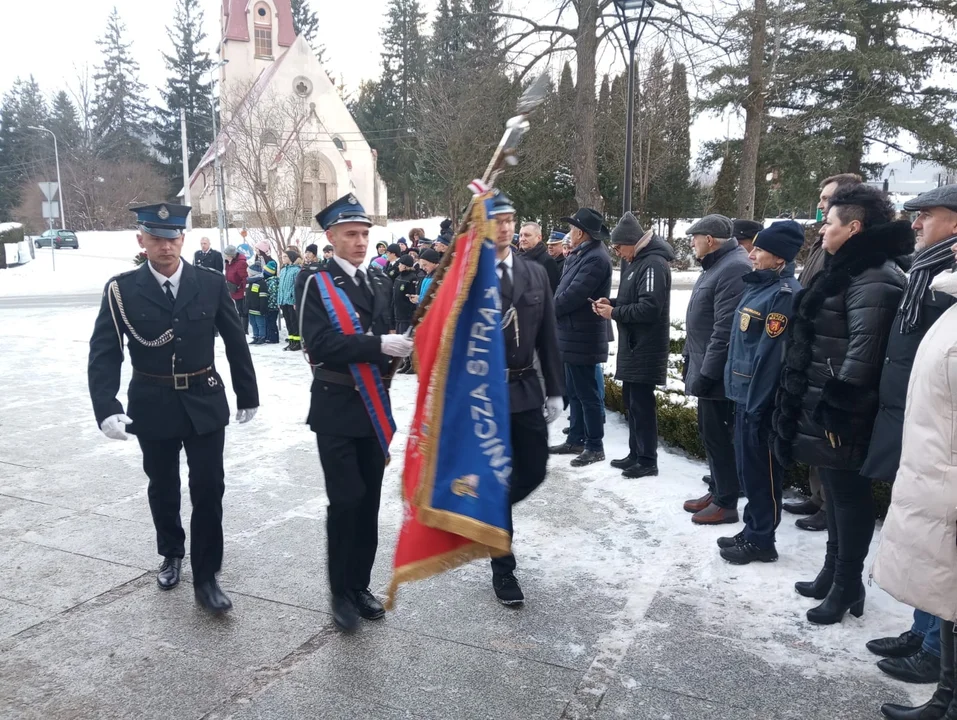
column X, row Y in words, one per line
column 532, row 300
column 202, row 306
column 211, row 259
column 405, row 284
column 836, row 349
column 337, row 409
column 643, row 313
column 884, row 454
column 758, row 340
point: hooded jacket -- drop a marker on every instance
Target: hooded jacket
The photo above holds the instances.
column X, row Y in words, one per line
column 642, row 311
column 916, row 560
column 836, row 350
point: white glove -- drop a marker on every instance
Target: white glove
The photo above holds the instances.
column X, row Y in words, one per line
column 244, row 416
column 114, row 427
column 554, row 407
column 398, row 346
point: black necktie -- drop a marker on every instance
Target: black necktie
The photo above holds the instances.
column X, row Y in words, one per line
column 364, row 287
column 506, row 286
column 169, row 292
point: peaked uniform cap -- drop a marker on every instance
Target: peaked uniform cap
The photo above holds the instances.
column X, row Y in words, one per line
column 162, row 220
column 344, row 210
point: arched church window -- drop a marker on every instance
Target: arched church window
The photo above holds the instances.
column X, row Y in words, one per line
column 270, row 138
column 262, row 22
column 337, row 141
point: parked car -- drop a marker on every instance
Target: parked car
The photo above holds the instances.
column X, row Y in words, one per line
column 59, row 239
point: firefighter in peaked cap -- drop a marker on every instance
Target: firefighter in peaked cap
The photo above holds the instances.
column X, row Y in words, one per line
column 167, row 312
column 345, row 319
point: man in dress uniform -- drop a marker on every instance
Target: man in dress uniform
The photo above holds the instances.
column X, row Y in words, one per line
column 556, row 249
column 169, row 310
column 529, row 325
column 207, row 258
column 348, row 431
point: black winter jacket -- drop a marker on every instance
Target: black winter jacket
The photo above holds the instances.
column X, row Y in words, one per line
column 583, row 335
column 643, row 313
column 884, row 454
column 539, row 254
column 405, row 284
column 711, row 312
column 835, row 352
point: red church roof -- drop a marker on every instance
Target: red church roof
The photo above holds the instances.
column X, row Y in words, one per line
column 236, row 22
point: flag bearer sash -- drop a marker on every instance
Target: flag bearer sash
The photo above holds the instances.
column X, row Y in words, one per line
column 458, row 459
column 368, row 379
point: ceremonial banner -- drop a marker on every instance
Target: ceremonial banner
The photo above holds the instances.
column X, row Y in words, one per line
column 458, row 458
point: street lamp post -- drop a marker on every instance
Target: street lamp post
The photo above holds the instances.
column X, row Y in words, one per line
column 633, row 15
column 56, row 154
column 217, row 168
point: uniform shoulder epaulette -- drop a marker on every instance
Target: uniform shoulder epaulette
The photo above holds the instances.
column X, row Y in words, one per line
column 203, row 267
column 785, row 288
column 124, row 274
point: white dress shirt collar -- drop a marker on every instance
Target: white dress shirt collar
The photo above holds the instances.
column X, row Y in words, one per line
column 173, row 279
column 347, row 267
column 508, row 260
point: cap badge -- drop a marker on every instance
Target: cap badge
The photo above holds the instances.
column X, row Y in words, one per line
column 163, row 213
column 352, row 200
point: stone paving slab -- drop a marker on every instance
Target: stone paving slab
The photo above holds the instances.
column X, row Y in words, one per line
column 15, row 616
column 18, row 516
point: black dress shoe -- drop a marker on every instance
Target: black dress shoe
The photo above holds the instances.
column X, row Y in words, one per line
column 730, row 542
column 566, row 449
column 921, row 667
column 169, row 573
column 814, row 523
column 748, row 552
column 211, row 596
column 819, row 587
column 588, row 457
column 344, row 613
column 565, row 431
column 367, row 605
column 804, row 507
column 624, row 463
column 899, row 646
column 640, row 471
column 706, row 479
column 507, row 589
column 838, row 601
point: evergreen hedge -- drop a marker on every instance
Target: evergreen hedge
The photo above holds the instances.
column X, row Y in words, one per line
column 678, row 424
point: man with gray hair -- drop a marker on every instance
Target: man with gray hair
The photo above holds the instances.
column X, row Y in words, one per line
column 534, row 250
column 204, row 257
column 711, row 311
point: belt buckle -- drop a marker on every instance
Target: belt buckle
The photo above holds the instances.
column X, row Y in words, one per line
column 180, row 382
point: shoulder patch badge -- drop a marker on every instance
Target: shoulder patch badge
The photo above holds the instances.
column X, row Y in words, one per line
column 775, row 324
column 745, row 322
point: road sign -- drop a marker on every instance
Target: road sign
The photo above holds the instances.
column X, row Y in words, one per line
column 49, row 190
column 51, row 210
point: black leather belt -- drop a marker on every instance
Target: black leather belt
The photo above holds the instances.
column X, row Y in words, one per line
column 179, row 381
column 337, row 378
column 518, row 374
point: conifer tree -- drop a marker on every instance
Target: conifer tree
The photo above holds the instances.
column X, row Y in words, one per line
column 65, row 122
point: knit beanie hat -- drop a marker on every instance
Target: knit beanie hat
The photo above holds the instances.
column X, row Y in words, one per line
column 628, row 230
column 784, row 239
column 292, row 254
column 394, row 249
column 270, row 268
column 313, row 248
column 430, row 255
column 407, row 260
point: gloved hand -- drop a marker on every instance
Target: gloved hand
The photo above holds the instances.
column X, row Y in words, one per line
column 554, row 406
column 701, row 386
column 398, row 346
column 114, row 427
column 245, row 415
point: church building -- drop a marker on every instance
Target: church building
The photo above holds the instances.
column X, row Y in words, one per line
column 267, row 63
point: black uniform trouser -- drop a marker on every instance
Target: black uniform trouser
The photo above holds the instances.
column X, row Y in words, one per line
column 716, row 428
column 353, row 468
column 850, row 524
column 204, row 456
column 291, row 318
column 762, row 478
column 529, row 461
column 642, row 422
column 401, row 327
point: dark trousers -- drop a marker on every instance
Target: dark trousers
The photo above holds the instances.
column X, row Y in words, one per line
column 401, row 327
column 585, row 394
column 291, row 318
column 353, row 468
column 272, row 326
column 817, row 491
column 204, row 456
column 243, row 315
column 716, row 428
column 639, row 400
column 850, row 524
column 762, row 478
column 529, row 461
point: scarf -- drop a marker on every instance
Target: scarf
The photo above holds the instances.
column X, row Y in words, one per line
column 927, row 263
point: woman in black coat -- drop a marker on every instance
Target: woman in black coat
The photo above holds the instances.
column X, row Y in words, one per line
column 828, row 398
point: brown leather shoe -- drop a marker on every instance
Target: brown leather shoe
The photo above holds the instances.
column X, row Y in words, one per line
column 714, row 515
column 698, row 505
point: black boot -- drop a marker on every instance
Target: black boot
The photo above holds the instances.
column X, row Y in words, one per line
column 940, row 704
column 838, row 601
column 819, row 587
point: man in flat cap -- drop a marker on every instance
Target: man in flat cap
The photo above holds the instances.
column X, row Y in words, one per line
column 708, row 323
column 169, row 311
column 913, row 656
column 744, row 231
column 346, row 318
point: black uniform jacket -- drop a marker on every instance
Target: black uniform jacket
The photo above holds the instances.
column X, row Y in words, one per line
column 202, row 306
column 532, row 300
column 213, row 260
column 335, row 408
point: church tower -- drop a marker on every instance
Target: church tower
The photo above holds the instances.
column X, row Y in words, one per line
column 255, row 34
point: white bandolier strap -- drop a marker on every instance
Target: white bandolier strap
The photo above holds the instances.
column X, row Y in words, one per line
column 511, row 318
column 163, row 339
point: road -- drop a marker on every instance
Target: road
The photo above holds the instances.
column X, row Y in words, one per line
column 60, row 301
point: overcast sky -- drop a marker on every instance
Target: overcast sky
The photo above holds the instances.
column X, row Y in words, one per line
column 55, row 39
